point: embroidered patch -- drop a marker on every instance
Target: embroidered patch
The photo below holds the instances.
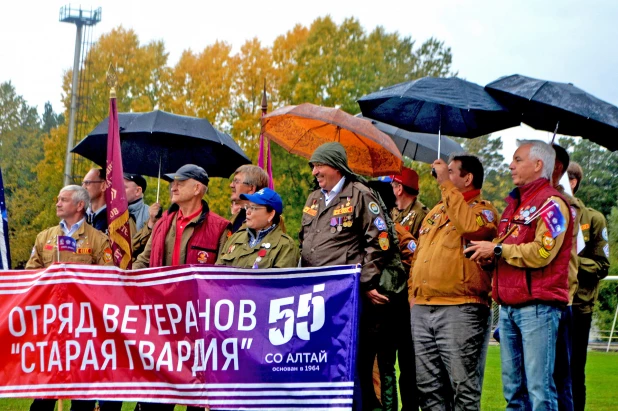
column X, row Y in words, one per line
column 232, row 247
column 107, row 255
column 262, row 252
column 515, row 232
column 412, row 246
column 489, row 215
column 543, row 253
column 84, row 251
column 311, row 211
column 480, row 221
column 383, row 241
column 344, row 210
column 374, row 207
column 606, row 250
column 604, row 234
column 548, row 241
column 585, row 227
column 47, row 247
column 379, row 223
column 202, row 257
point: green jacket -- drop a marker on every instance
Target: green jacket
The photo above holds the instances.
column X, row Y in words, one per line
column 593, row 259
column 278, row 248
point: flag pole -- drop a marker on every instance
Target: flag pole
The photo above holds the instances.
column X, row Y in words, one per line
column 265, row 145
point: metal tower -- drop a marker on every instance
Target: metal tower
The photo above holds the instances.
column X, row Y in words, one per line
column 80, row 18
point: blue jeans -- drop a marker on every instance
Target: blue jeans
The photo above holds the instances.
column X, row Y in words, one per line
column 528, row 352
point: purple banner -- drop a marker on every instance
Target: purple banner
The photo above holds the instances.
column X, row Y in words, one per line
column 194, row 335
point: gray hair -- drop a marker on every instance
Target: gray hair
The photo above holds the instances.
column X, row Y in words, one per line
column 540, row 150
column 79, row 194
column 254, row 176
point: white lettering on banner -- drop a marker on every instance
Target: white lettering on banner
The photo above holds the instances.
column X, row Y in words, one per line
column 126, row 319
column 81, row 329
column 200, row 360
column 33, row 309
column 160, row 320
column 306, row 357
column 24, row 368
column 250, row 315
column 174, row 319
column 184, row 353
column 127, row 346
column 205, row 314
column 230, row 315
column 22, row 322
column 70, row 356
column 230, row 356
column 65, row 320
column 90, row 357
column 147, row 308
column 165, row 358
column 110, row 317
column 305, row 304
column 191, row 319
column 49, row 316
column 146, row 349
column 109, row 356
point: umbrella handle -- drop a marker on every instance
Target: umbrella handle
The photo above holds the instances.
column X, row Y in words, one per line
column 555, row 131
column 159, row 180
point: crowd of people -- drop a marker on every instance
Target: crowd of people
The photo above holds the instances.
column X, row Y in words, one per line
column 428, row 277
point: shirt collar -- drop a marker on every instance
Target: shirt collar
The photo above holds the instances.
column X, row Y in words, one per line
column 336, row 190
column 70, row 230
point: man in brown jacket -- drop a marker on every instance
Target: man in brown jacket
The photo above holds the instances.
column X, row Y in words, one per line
column 343, row 223
column 450, row 314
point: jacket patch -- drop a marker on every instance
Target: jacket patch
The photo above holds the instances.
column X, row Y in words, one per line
column 344, row 210
column 311, row 211
column 383, row 241
column 604, row 234
column 412, row 246
column 374, row 207
column 544, row 253
column 380, row 224
column 202, row 257
column 480, row 221
column 606, row 250
column 548, row 241
column 489, row 215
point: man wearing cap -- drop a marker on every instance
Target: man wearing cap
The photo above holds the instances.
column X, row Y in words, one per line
column 343, row 223
column 593, row 266
column 142, row 218
column 90, row 247
column 451, row 293
column 247, row 179
column 409, row 212
column 96, row 214
column 188, row 233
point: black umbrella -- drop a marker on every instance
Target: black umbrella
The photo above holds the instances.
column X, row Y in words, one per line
column 450, row 106
column 159, row 142
column 552, row 106
column 417, row 146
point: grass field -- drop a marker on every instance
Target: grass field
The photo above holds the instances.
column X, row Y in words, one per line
column 601, row 382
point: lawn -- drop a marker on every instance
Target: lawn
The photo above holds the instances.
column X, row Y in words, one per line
column 601, row 377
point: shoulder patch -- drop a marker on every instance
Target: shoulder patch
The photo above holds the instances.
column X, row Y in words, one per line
column 412, row 246
column 604, row 234
column 374, row 207
column 548, row 241
column 489, row 215
column 383, row 241
column 380, row 224
column 606, row 250
column 107, row 255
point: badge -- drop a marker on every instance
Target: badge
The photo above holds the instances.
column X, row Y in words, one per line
column 347, row 203
column 314, row 206
column 84, row 251
column 489, row 215
column 412, row 246
column 430, row 221
column 47, row 247
column 532, row 209
column 344, row 210
column 202, row 257
column 525, row 213
column 380, row 224
column 585, row 227
column 232, row 247
column 515, row 232
column 606, row 250
column 107, row 255
column 480, row 221
column 374, row 207
column 383, row 241
column 262, row 253
column 604, row 234
column 543, row 253
column 265, row 245
column 311, row 211
column 229, row 234
column 548, row 241
column 333, row 225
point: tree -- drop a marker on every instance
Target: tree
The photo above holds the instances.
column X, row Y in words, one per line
column 50, row 119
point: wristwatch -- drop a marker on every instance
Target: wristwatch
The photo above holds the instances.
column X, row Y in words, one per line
column 498, row 250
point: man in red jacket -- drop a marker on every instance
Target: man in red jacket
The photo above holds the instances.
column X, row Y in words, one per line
column 531, row 257
column 187, row 233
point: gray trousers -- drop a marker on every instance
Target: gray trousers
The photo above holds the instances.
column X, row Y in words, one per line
column 448, row 342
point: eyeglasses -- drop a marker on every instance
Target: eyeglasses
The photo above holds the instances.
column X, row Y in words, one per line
column 88, row 182
column 252, row 208
column 236, row 182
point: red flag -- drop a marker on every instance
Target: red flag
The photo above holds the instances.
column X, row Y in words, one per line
column 115, row 196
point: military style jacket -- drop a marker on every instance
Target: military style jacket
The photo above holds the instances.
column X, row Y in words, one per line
column 276, row 250
column 593, row 259
column 351, row 230
column 411, row 217
column 441, row 274
column 92, row 248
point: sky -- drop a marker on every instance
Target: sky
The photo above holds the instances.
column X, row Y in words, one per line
column 569, row 41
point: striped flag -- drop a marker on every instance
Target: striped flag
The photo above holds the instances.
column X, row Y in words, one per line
column 5, row 250
column 115, row 196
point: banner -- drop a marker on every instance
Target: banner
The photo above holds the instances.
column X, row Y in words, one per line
column 194, row 335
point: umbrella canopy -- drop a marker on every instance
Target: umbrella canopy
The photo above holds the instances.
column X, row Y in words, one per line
column 546, row 104
column 156, row 137
column 303, row 128
column 450, row 106
column 418, row 146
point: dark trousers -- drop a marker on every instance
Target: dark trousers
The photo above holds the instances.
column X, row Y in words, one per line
column 562, row 366
column 581, row 334
column 107, row 405
column 49, row 404
column 405, row 356
column 154, row 406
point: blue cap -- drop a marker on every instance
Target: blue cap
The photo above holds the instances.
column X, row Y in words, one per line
column 266, row 197
column 385, row 179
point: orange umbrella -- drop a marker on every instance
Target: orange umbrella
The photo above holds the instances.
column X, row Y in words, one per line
column 303, row 128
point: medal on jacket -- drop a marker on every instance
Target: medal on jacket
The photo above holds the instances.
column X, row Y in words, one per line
column 347, row 204
column 261, row 254
column 339, row 223
column 347, row 221
column 333, row 225
column 314, row 206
